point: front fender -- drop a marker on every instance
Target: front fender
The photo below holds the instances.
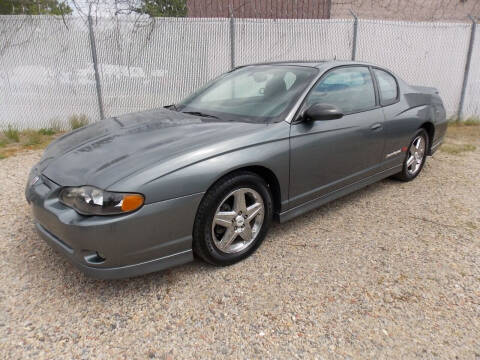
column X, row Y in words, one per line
column 198, row 177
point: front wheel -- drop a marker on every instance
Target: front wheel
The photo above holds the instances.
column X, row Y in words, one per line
column 415, row 157
column 232, row 219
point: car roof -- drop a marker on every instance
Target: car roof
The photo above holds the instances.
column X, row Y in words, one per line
column 314, row 63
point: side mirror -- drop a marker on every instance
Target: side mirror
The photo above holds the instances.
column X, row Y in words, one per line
column 322, row 112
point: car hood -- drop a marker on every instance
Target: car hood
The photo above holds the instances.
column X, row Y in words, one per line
column 103, row 153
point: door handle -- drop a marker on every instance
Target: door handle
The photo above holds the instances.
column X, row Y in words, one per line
column 376, row 127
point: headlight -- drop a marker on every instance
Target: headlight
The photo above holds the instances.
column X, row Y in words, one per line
column 88, row 200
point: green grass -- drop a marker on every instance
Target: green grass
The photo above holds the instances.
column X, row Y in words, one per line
column 12, row 134
column 47, row 131
column 13, row 141
column 78, row 121
column 55, row 126
column 32, row 138
column 469, row 121
column 455, row 149
column 464, row 131
column 27, row 140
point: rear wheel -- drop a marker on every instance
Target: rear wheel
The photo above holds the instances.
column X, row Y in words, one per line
column 233, row 219
column 415, row 157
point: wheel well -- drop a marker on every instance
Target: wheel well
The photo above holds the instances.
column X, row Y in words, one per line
column 271, row 180
column 430, row 129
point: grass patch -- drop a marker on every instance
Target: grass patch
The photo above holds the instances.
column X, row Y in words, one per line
column 47, row 131
column 469, row 121
column 27, row 140
column 13, row 141
column 32, row 138
column 464, row 130
column 55, row 127
column 455, row 149
column 472, row 121
column 12, row 134
column 78, row 121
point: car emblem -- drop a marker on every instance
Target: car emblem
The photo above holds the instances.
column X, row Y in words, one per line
column 34, row 180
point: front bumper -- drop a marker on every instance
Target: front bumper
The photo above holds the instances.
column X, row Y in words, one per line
column 157, row 236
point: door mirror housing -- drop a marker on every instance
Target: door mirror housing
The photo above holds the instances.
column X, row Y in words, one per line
column 318, row 112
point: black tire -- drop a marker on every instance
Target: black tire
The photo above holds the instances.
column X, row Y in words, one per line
column 405, row 174
column 203, row 243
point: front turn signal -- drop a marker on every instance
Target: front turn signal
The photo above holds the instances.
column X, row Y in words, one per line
column 89, row 200
column 132, row 202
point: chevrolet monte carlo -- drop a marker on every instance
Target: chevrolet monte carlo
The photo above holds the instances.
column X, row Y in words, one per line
column 205, row 177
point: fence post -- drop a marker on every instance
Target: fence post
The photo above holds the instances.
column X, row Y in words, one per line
column 95, row 67
column 232, row 38
column 355, row 30
column 467, row 67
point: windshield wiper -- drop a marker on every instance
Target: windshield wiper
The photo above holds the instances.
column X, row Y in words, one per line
column 198, row 113
column 171, row 107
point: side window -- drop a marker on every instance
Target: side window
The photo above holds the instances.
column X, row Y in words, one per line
column 387, row 85
column 350, row 88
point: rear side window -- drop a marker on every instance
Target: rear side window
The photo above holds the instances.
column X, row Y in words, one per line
column 350, row 88
column 387, row 86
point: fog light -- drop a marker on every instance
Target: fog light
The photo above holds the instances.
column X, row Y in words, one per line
column 94, row 258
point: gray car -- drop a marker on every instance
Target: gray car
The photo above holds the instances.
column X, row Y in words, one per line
column 142, row 192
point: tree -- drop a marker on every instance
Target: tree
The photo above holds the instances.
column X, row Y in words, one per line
column 166, row 8
column 34, row 7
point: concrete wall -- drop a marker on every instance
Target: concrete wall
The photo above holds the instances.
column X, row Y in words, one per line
column 409, row 10
column 266, row 9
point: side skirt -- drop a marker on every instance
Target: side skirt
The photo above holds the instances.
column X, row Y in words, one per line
column 435, row 147
column 315, row 203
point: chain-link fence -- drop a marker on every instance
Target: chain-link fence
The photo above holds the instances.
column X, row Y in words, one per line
column 472, row 91
column 47, row 70
column 423, row 53
column 261, row 40
column 154, row 62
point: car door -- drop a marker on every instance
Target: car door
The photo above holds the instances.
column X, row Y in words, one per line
column 397, row 135
column 330, row 154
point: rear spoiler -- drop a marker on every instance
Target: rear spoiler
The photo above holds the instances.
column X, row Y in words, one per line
column 425, row 89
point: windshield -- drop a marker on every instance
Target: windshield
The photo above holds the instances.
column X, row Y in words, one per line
column 261, row 93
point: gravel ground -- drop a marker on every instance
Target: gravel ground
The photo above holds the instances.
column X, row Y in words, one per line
column 392, row 271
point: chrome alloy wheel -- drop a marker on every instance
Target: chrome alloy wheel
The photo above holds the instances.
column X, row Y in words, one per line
column 416, row 155
column 238, row 220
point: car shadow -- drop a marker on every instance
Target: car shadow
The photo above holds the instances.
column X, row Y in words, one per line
column 337, row 204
